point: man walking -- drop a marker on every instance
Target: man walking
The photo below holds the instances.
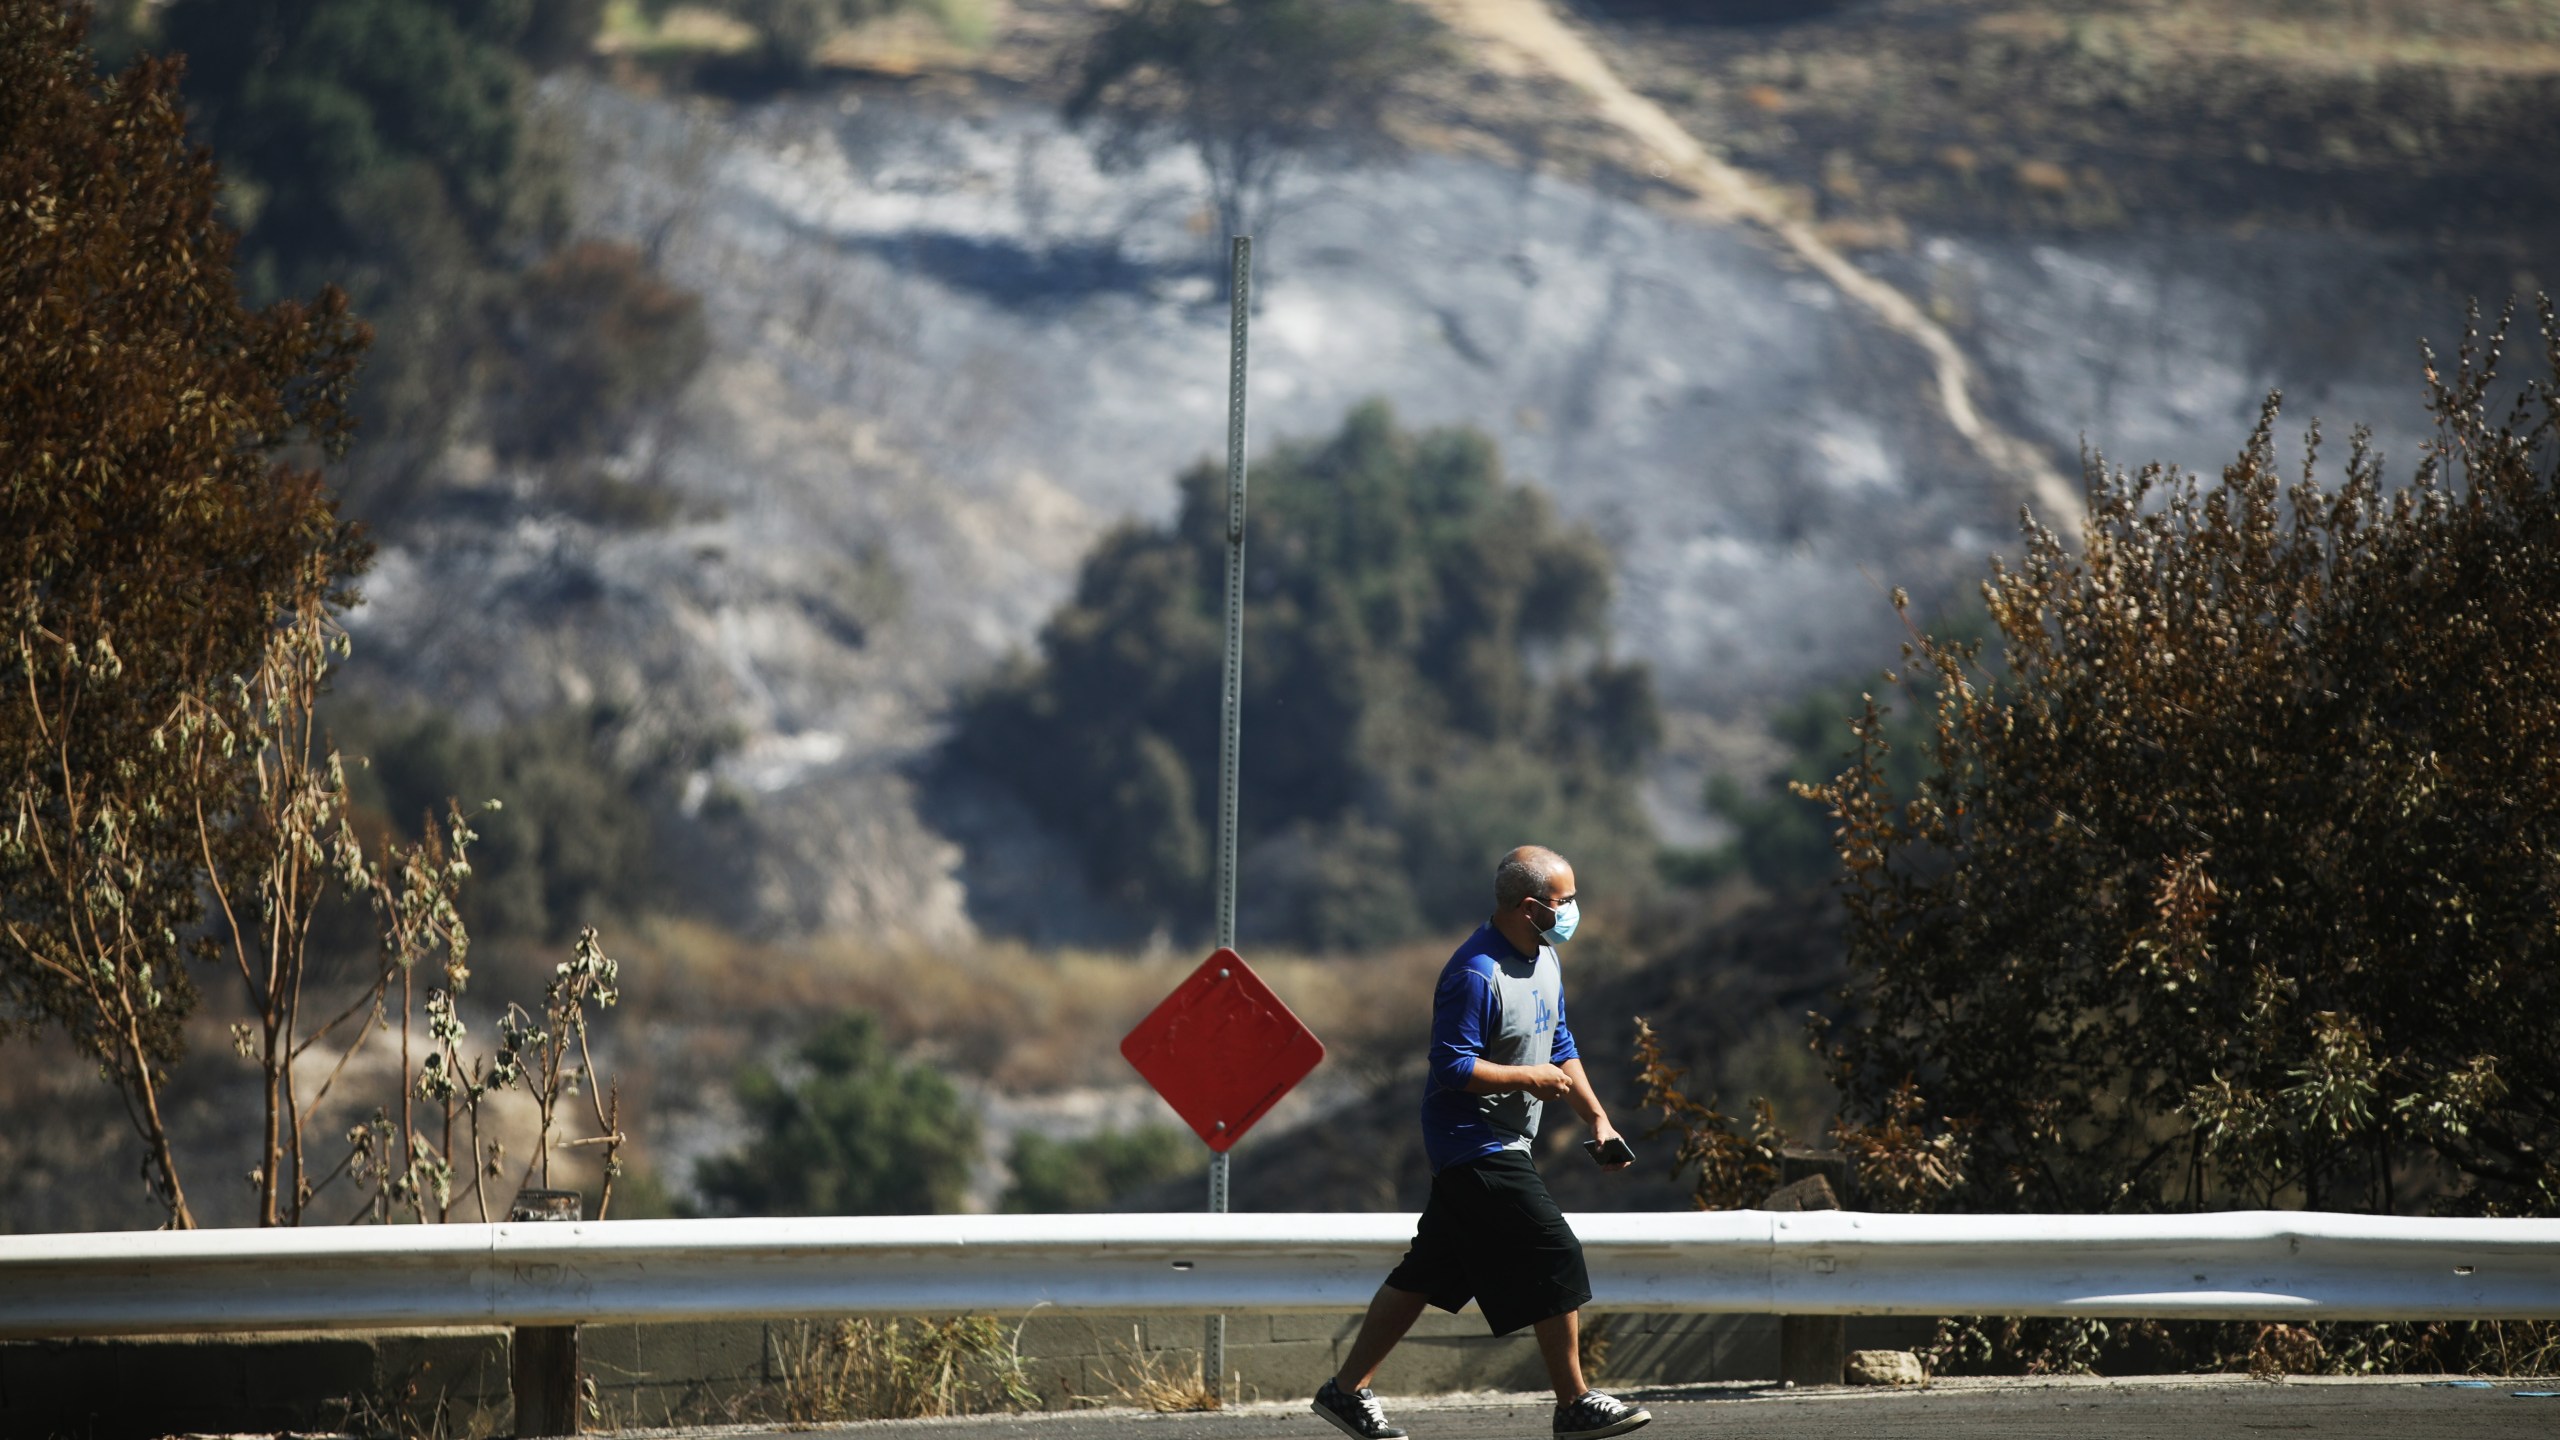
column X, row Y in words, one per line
column 1491, row 1233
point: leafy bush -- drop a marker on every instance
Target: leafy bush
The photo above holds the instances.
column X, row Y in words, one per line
column 593, row 341
column 1056, row 1177
column 570, row 838
column 2235, row 886
column 1405, row 604
column 858, row 1133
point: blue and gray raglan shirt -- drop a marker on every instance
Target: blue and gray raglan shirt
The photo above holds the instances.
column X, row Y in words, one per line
column 1496, row 1004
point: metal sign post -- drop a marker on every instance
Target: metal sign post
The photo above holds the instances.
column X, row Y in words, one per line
column 1213, row 1348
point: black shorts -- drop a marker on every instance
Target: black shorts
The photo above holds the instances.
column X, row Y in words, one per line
column 1493, row 1235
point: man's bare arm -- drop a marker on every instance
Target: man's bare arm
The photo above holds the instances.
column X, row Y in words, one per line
column 1547, row 1082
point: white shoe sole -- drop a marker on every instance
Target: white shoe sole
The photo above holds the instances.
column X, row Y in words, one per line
column 1636, row 1421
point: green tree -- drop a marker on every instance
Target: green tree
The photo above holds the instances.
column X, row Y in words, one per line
column 579, row 800
column 342, row 120
column 159, row 520
column 387, row 145
column 2235, row 886
column 1253, row 87
column 858, row 1134
column 1404, row 602
column 1058, row 1177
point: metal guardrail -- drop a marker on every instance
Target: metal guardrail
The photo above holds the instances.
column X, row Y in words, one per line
column 2259, row 1264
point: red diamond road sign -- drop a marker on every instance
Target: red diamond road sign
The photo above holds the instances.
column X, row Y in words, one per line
column 1222, row 1049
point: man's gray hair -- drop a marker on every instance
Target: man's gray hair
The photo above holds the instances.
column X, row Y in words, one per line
column 1529, row 870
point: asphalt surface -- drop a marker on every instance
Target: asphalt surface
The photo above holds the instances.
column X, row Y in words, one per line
column 2396, row 1409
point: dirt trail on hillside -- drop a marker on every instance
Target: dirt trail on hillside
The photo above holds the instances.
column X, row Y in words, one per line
column 1527, row 35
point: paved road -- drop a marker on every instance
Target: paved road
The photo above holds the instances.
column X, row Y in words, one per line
column 2075, row 1410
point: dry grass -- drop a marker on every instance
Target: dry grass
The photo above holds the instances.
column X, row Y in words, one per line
column 682, row 29
column 2326, row 36
column 1165, row 1381
column 1018, row 1019
column 1591, row 1344
column 900, row 1370
column 2520, row 1347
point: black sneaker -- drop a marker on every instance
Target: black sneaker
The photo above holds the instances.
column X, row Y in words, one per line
column 1358, row 1413
column 1595, row 1415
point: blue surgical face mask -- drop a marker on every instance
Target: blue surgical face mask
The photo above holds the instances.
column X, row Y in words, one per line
column 1568, row 915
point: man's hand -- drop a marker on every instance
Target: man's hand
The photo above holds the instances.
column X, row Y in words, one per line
column 1604, row 1132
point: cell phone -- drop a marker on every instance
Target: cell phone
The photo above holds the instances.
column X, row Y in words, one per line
column 1612, row 1152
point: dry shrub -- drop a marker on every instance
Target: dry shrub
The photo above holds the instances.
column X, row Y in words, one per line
column 2229, row 878
column 1903, row 1161
column 2281, row 1350
column 1736, row 1167
column 2228, row 882
column 160, row 516
column 2014, row 1345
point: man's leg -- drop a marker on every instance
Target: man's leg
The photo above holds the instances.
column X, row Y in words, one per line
column 1391, row 1313
column 1560, row 1345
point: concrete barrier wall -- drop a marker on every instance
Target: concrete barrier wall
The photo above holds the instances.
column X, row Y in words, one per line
column 151, row 1386
column 455, row 1381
